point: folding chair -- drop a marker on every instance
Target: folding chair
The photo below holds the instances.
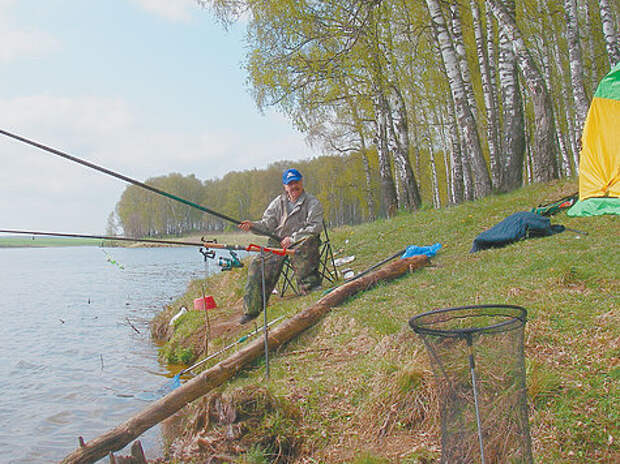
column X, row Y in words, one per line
column 327, row 266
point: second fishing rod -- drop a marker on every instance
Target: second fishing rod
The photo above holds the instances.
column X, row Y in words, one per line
column 208, row 244
column 134, row 182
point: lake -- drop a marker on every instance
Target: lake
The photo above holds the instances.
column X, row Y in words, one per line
column 76, row 357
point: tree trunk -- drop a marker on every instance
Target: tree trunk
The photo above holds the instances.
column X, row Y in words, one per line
column 489, row 98
column 431, row 152
column 480, row 173
column 492, row 57
column 545, row 147
column 446, row 150
column 401, row 154
column 359, row 128
column 370, row 198
column 610, row 33
column 576, row 70
column 435, row 184
column 459, row 49
column 123, row 434
column 589, row 53
column 513, row 139
column 558, row 106
column 388, row 190
column 460, row 183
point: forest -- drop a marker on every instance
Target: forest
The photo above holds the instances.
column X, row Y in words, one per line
column 412, row 103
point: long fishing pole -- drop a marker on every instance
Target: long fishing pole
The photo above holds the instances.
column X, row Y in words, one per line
column 226, row 348
column 203, row 244
column 135, row 182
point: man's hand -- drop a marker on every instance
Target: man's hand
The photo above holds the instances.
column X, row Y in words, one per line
column 246, row 225
column 286, row 242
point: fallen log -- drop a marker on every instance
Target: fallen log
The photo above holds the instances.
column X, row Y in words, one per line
column 120, row 436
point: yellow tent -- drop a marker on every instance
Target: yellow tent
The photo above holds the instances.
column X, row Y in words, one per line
column 599, row 165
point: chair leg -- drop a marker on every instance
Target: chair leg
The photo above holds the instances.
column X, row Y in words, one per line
column 287, row 279
column 327, row 267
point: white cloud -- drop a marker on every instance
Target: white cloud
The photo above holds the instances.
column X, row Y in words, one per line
column 22, row 41
column 41, row 191
column 173, row 10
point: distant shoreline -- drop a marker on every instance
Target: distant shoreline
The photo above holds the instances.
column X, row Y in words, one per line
column 47, row 242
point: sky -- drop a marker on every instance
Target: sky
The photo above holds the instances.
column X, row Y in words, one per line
column 141, row 87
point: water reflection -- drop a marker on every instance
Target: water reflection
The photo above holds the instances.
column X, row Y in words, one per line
column 76, row 358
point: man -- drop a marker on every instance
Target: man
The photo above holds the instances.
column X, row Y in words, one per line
column 296, row 217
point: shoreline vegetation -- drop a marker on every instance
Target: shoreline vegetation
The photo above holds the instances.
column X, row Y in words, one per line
column 357, row 387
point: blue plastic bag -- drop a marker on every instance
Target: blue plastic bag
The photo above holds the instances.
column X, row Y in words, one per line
column 429, row 251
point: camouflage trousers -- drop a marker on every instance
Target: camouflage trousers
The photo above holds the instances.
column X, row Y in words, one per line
column 305, row 262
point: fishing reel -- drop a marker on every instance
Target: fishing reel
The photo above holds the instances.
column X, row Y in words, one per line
column 227, row 264
column 206, row 253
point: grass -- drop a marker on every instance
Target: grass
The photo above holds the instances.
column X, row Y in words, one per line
column 361, row 377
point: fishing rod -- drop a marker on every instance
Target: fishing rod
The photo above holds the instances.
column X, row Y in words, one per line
column 363, row 273
column 226, row 348
column 375, row 266
column 203, row 243
column 135, row 182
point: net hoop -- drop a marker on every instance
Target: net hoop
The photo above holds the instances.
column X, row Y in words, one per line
column 422, row 323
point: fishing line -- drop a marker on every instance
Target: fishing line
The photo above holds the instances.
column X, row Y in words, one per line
column 111, row 260
column 134, row 181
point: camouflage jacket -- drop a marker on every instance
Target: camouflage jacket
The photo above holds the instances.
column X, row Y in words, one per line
column 306, row 217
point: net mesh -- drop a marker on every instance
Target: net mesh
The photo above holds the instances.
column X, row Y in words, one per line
column 478, row 360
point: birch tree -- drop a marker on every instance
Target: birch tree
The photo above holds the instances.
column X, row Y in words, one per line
column 492, row 121
column 576, row 69
column 544, row 150
column 612, row 41
column 513, row 130
column 481, row 180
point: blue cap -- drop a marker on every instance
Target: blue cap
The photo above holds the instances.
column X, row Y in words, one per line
column 291, row 175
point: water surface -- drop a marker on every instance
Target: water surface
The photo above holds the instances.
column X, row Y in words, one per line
column 71, row 364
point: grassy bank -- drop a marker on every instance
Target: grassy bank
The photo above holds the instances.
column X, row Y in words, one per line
column 358, row 388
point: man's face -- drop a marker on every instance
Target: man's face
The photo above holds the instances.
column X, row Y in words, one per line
column 294, row 188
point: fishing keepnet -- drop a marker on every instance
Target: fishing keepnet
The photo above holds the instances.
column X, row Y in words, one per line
column 478, row 360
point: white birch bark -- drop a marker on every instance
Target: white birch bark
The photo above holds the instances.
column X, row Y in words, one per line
column 431, row 151
column 460, row 188
column 435, row 184
column 489, row 103
column 589, row 43
column 545, row 146
column 513, row 135
column 446, row 150
column 565, row 167
column 558, row 106
column 580, row 99
column 359, row 128
column 388, row 191
column 456, row 31
column 612, row 41
column 481, row 179
column 410, row 193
